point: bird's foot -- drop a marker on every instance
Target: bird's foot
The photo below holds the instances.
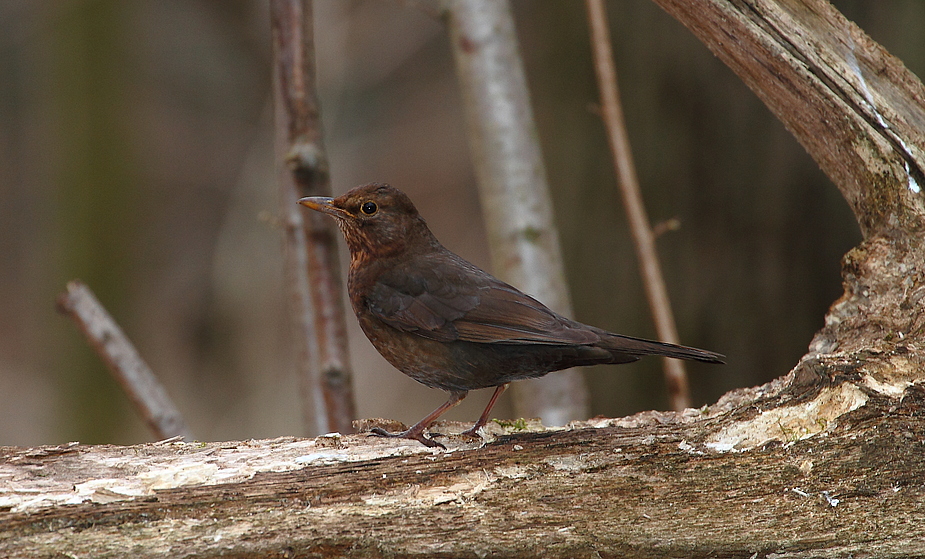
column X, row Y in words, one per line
column 473, row 432
column 413, row 434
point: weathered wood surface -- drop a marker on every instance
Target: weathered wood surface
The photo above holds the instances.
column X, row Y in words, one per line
column 656, row 485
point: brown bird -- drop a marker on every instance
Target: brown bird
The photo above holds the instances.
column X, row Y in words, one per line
column 450, row 325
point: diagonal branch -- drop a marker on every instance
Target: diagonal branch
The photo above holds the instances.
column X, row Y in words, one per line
column 855, row 108
column 643, row 236
column 126, row 365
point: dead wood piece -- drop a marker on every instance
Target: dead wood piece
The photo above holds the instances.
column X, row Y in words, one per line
column 654, row 488
column 134, row 375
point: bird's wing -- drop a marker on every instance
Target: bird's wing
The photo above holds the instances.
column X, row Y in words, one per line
column 506, row 315
column 457, row 301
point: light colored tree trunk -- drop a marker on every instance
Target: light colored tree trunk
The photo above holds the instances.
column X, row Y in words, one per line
column 522, row 234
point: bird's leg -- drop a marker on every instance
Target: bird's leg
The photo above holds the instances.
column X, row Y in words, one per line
column 416, row 431
column 483, row 419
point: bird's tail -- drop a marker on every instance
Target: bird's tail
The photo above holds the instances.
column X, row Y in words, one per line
column 629, row 346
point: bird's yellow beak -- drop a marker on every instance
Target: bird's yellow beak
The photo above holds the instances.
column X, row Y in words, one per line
column 323, row 204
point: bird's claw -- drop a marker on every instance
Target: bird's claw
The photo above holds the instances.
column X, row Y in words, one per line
column 409, row 434
column 473, row 432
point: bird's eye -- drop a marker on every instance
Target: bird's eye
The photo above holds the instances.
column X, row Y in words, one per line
column 369, row 208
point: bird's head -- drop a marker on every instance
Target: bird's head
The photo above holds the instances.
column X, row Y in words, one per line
column 377, row 220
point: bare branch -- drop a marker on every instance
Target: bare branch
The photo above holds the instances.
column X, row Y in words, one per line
column 126, row 365
column 679, row 395
column 515, row 197
column 313, row 271
column 855, row 108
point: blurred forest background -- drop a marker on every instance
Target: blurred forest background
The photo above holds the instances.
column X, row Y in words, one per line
column 136, row 153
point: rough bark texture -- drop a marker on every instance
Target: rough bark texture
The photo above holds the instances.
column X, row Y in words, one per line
column 825, row 462
column 648, row 486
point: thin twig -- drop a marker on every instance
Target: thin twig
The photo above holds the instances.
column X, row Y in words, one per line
column 129, row 369
column 313, row 271
column 644, row 237
column 522, row 235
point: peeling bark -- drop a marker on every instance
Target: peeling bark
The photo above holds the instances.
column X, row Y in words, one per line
column 647, row 486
